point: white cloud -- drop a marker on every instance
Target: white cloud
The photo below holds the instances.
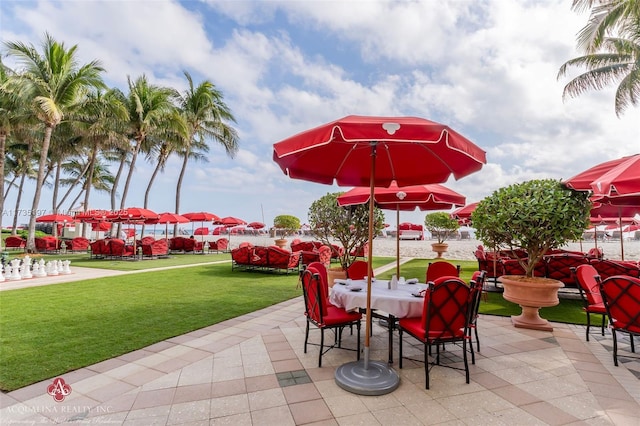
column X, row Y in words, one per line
column 488, row 69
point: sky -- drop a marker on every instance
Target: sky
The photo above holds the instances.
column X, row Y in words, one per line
column 486, row 68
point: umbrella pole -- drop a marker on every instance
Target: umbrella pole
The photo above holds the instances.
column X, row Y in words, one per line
column 370, row 258
column 397, row 241
column 372, row 377
column 621, row 239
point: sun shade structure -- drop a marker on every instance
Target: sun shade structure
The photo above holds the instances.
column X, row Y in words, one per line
column 407, row 198
column 55, row 218
column 374, row 152
column 167, row 218
column 614, row 183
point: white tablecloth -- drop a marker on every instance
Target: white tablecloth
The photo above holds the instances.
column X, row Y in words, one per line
column 399, row 303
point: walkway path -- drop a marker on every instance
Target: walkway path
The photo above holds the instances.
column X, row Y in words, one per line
column 252, row 370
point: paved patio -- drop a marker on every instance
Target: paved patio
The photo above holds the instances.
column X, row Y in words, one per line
column 252, row 371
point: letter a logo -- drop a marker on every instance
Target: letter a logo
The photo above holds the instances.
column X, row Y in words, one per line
column 59, row 389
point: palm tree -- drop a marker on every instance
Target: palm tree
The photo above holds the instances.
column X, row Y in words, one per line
column 54, row 84
column 150, row 109
column 206, row 115
column 607, row 17
column 13, row 116
column 101, row 178
column 101, row 124
column 618, row 61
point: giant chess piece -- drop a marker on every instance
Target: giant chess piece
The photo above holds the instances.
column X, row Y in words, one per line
column 26, row 268
column 39, row 269
column 42, row 269
column 66, row 270
column 52, row 268
column 1, row 273
column 15, row 270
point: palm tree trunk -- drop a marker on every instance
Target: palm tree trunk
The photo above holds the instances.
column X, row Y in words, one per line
column 132, row 167
column 179, row 185
column 11, row 185
column 44, row 151
column 16, row 212
column 115, row 188
column 56, row 186
column 71, row 187
column 146, row 193
column 89, row 180
column 3, row 145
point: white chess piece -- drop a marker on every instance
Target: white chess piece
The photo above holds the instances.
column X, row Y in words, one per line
column 42, row 269
column 65, row 267
column 39, row 269
column 1, row 273
column 15, row 270
column 52, row 268
column 26, row 268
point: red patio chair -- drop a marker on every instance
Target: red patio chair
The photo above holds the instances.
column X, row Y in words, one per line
column 358, row 270
column 441, row 269
column 445, row 319
column 588, row 282
column 621, row 295
column 325, row 316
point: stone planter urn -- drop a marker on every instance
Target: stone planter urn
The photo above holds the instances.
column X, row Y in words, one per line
column 440, row 248
column 531, row 294
column 335, row 273
column 281, row 242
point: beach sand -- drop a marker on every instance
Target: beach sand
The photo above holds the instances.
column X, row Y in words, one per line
column 458, row 249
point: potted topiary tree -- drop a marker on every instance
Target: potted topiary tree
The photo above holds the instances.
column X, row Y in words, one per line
column 287, row 225
column 534, row 216
column 349, row 226
column 440, row 225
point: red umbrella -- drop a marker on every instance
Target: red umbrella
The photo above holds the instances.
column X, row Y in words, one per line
column 373, row 152
column 93, row 215
column 613, row 183
column 424, row 197
column 256, row 225
column 622, row 179
column 464, row 212
column 167, row 218
column 201, row 217
column 582, row 181
column 229, row 221
column 132, row 215
column 55, row 218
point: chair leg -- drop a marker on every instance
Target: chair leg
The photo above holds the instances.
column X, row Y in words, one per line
column 588, row 325
column 475, row 329
column 306, row 337
column 466, row 363
column 426, row 365
column 604, row 317
column 400, row 346
column 321, row 347
column 633, row 348
column 473, row 355
column 615, row 347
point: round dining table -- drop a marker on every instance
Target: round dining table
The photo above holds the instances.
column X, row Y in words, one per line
column 405, row 301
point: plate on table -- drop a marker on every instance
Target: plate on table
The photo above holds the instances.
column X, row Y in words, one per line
column 355, row 288
column 340, row 281
column 411, row 281
column 418, row 294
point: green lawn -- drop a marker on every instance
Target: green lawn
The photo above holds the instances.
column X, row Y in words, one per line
column 49, row 330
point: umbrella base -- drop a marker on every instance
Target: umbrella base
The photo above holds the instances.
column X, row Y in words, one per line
column 377, row 379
